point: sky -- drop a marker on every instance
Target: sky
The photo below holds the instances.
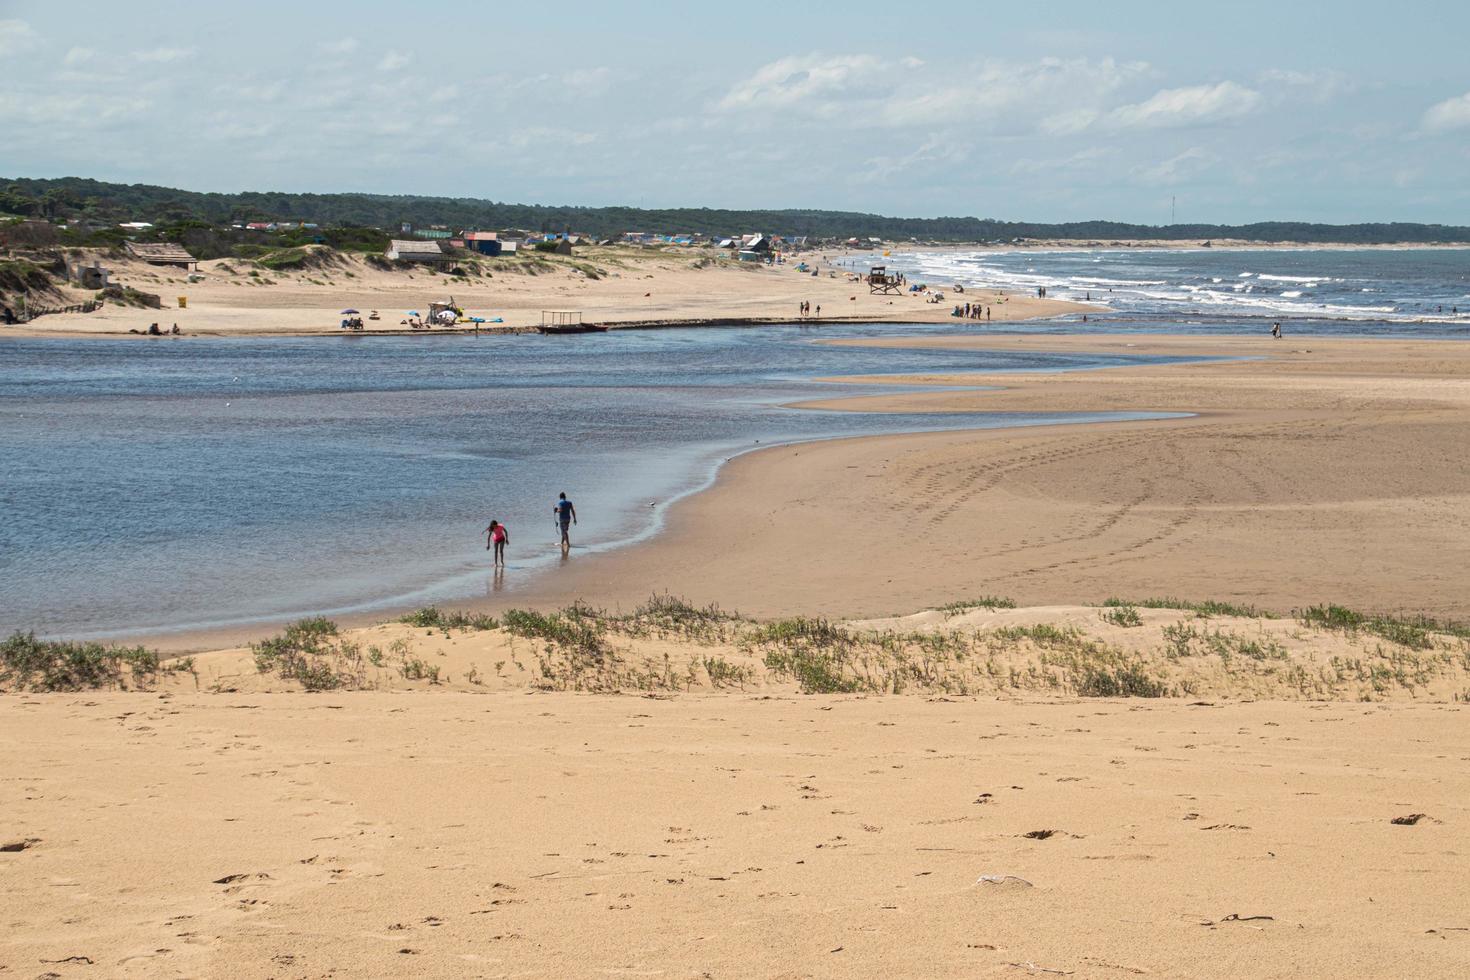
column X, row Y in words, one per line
column 1042, row 111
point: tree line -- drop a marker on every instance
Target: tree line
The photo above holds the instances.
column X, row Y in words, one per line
column 77, row 198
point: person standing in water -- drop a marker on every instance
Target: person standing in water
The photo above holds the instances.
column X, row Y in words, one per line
column 497, row 537
column 566, row 516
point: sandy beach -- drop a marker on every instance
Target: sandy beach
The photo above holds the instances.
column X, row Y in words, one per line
column 1061, row 788
column 616, row 286
column 1310, row 470
column 454, row 835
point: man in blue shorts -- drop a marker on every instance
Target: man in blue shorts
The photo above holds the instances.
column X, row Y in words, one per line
column 566, row 516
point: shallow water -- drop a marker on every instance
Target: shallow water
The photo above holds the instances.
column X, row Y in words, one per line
column 182, row 484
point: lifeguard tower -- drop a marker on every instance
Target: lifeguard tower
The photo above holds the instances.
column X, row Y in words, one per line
column 879, row 281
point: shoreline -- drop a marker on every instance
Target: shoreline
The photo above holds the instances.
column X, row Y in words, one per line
column 500, row 331
column 665, row 559
column 769, row 474
column 197, row 639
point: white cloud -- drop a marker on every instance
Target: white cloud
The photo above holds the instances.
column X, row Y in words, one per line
column 393, row 60
column 548, row 136
column 252, row 92
column 1049, row 92
column 1316, row 86
column 791, row 81
column 1449, row 114
column 1069, row 121
column 73, row 111
column 226, row 127
column 163, row 56
column 862, row 91
column 589, row 81
column 15, row 36
column 1087, row 159
column 1178, row 168
column 77, row 56
column 1191, row 106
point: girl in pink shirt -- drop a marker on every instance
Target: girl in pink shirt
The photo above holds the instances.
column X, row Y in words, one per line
column 498, row 538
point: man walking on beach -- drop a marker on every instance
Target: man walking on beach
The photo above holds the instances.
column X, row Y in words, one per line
column 566, row 516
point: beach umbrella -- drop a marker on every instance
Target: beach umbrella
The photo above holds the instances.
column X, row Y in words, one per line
column 345, row 312
column 413, row 313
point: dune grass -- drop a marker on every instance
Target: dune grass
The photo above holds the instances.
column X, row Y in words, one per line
column 991, row 602
column 1123, row 614
column 31, row 664
column 1205, row 610
column 432, row 617
column 313, row 653
column 1414, row 632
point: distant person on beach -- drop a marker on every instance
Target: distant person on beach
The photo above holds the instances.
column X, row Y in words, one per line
column 497, row 537
column 1276, row 330
column 819, row 310
column 566, row 516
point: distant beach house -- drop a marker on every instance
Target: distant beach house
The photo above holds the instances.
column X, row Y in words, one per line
column 136, row 225
column 162, row 253
column 424, row 252
column 484, row 242
column 755, row 243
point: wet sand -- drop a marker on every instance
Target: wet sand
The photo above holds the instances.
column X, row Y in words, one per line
column 1314, row 470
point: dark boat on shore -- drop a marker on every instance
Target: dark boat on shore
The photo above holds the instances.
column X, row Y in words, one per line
column 560, row 328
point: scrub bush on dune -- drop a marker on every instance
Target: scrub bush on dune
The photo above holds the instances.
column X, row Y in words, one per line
column 30, row 664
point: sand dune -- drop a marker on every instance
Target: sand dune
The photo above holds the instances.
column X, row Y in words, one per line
column 609, row 285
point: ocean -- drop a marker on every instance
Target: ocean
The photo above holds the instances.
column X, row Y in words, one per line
column 1362, row 292
column 179, row 485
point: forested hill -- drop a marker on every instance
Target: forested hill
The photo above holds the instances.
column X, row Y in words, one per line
column 75, row 197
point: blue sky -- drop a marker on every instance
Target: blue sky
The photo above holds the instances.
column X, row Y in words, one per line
column 1338, row 112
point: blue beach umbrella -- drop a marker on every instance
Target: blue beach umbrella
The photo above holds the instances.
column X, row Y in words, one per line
column 345, row 312
column 413, row 313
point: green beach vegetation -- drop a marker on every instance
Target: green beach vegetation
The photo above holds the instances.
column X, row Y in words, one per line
column 668, row 644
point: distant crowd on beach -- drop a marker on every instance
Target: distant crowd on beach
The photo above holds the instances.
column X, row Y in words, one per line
column 972, row 311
